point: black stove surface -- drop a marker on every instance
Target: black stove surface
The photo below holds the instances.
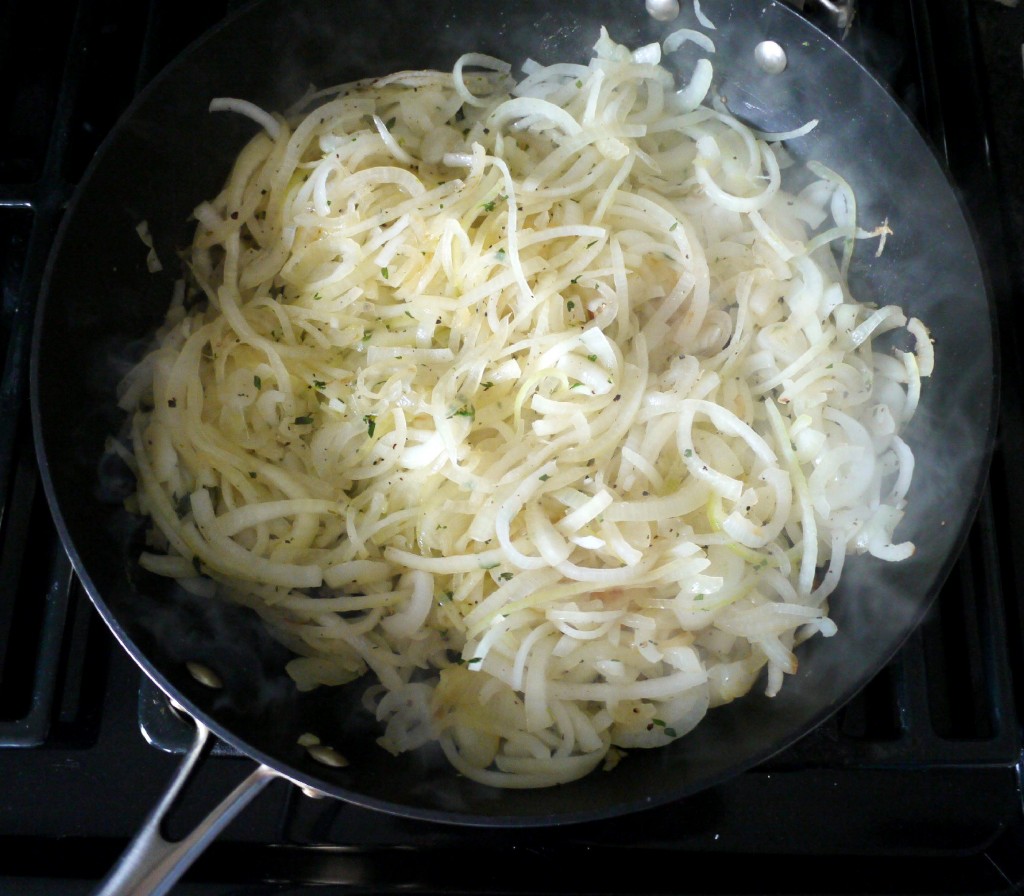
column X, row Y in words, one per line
column 913, row 788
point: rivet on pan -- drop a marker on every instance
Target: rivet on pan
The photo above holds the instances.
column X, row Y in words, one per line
column 313, row 794
column 327, row 755
column 204, row 675
column 663, row 10
column 771, row 57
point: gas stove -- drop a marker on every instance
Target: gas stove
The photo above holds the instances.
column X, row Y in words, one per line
column 913, row 788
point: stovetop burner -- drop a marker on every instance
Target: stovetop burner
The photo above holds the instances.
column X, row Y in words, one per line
column 914, row 787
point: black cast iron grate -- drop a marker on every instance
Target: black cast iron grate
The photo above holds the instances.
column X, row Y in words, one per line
column 912, row 788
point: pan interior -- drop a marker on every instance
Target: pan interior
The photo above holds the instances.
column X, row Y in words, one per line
column 101, row 305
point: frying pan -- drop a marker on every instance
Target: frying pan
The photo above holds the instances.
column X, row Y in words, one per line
column 100, row 306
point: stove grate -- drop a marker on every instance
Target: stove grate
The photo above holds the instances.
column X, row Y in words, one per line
column 914, row 787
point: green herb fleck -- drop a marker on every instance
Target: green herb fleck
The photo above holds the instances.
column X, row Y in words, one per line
column 371, row 424
column 304, row 420
column 591, row 357
column 570, row 305
column 384, row 273
column 544, row 477
column 506, row 576
column 671, row 732
column 579, row 83
column 688, row 452
column 675, row 224
column 658, row 722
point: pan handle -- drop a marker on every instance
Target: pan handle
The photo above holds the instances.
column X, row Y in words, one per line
column 152, row 864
